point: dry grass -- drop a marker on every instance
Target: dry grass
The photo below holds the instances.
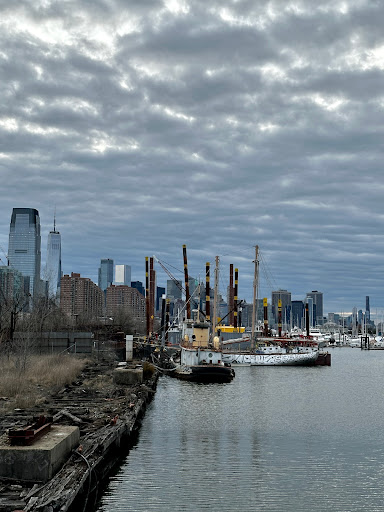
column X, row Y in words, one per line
column 42, row 374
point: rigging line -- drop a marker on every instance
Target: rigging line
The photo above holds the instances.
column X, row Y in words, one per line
column 266, row 277
column 169, row 264
column 163, row 263
column 180, row 311
column 267, row 272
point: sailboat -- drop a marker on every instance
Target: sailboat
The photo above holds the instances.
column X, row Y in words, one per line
column 269, row 351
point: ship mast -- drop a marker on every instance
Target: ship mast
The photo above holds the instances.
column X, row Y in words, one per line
column 255, row 288
column 214, row 320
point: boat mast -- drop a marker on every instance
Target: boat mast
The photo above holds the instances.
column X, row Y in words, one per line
column 215, row 296
column 235, row 305
column 186, row 281
column 207, row 293
column 255, row 288
column 147, row 296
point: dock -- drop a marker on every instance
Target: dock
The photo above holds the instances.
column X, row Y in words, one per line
column 94, row 421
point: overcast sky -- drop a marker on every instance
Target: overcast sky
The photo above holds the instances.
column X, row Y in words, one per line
column 224, row 124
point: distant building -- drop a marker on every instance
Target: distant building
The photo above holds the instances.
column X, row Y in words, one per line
column 80, row 296
column 160, row 291
column 334, row 318
column 127, row 299
column 105, row 274
column 317, row 298
column 122, row 275
column 24, row 250
column 298, row 314
column 139, row 287
column 11, row 286
column 286, row 304
column 367, row 309
column 174, row 289
column 52, row 272
column 311, row 311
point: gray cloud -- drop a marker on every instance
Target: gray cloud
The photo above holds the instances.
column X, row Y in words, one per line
column 221, row 126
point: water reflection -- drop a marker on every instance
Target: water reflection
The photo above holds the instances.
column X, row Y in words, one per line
column 274, row 439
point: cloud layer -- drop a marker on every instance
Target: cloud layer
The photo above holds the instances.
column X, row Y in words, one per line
column 220, row 125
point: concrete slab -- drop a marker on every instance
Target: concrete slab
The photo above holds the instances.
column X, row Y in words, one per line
column 128, row 376
column 40, row 461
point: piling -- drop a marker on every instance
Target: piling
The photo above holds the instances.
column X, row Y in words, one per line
column 207, row 293
column 186, row 282
column 235, row 304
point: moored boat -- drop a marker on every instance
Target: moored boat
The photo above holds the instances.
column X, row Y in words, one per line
column 200, row 364
column 272, row 353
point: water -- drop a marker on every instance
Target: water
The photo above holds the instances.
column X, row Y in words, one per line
column 275, row 439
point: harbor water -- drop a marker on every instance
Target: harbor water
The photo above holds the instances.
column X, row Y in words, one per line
column 274, row 439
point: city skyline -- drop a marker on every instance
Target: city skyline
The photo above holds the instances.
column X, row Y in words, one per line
column 152, row 125
column 108, row 269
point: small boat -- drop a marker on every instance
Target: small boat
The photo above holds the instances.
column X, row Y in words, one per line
column 203, row 365
column 201, row 360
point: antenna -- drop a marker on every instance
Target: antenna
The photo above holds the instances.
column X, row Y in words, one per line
column 54, row 221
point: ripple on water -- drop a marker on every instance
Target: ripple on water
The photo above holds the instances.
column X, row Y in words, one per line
column 275, row 439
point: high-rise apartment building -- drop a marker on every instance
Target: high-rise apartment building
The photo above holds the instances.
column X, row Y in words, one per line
column 122, row 275
column 80, row 296
column 52, row 273
column 317, row 298
column 105, row 273
column 125, row 299
column 24, row 249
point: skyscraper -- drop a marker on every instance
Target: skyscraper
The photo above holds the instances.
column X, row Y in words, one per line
column 52, row 272
column 298, row 314
column 174, row 289
column 317, row 298
column 105, row 274
column 286, row 304
column 24, row 250
column 123, row 275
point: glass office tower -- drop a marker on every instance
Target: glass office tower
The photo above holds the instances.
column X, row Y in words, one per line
column 123, row 275
column 53, row 265
column 24, row 249
column 317, row 298
column 105, row 274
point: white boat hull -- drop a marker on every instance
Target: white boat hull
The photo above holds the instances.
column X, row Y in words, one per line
column 289, row 359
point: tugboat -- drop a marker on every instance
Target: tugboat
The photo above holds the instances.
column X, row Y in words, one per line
column 200, row 360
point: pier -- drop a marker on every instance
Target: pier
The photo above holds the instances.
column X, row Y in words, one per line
column 93, row 421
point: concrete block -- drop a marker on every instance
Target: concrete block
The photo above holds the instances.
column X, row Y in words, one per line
column 128, row 376
column 40, row 461
column 129, row 347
